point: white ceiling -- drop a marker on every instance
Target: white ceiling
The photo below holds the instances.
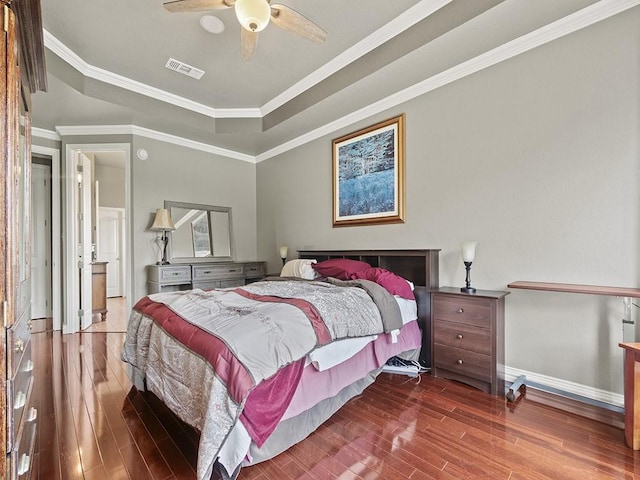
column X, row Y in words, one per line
column 105, row 63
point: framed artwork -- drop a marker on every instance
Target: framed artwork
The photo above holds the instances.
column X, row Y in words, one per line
column 368, row 175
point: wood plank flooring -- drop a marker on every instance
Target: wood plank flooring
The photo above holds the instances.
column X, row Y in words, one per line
column 92, row 424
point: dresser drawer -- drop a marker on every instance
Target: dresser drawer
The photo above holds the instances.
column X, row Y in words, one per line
column 237, row 282
column 254, row 270
column 463, row 362
column 19, row 393
column 465, row 337
column 17, row 342
column 170, row 273
column 22, row 455
column 459, row 309
column 202, row 273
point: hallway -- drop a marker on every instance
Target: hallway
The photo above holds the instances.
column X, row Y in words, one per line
column 117, row 317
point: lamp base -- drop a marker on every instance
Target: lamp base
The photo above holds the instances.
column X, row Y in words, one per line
column 163, row 263
column 468, row 290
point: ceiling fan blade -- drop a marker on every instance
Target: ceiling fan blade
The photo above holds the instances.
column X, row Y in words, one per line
column 175, row 6
column 248, row 43
column 292, row 21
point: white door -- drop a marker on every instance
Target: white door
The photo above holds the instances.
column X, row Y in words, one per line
column 109, row 248
column 40, row 241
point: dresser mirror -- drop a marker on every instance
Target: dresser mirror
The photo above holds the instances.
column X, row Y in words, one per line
column 203, row 233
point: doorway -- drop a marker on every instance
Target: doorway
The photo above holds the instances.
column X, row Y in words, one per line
column 108, row 182
column 41, row 238
column 50, row 234
column 110, row 247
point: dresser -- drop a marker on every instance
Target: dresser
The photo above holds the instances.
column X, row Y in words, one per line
column 22, row 64
column 165, row 278
column 468, row 337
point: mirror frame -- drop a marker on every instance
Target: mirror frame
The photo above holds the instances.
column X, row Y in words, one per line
column 168, row 204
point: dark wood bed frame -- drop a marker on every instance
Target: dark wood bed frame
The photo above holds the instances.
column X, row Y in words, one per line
column 418, row 266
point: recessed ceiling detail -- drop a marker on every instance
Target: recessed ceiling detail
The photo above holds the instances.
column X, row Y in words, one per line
column 181, row 67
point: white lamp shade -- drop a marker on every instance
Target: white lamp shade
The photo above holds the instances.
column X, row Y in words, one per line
column 253, row 15
column 468, row 251
column 284, row 250
column 162, row 221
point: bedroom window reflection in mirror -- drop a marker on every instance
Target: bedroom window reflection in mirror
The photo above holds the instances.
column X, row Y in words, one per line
column 203, row 233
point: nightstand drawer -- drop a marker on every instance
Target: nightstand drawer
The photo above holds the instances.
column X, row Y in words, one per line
column 463, row 336
column 463, row 362
column 472, row 311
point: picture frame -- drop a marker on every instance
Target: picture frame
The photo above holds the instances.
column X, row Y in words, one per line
column 368, row 175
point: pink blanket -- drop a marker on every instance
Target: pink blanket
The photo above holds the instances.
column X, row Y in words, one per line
column 265, row 403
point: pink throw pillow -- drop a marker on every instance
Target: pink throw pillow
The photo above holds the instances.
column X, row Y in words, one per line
column 393, row 283
column 341, row 268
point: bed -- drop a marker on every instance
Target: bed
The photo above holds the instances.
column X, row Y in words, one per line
column 257, row 368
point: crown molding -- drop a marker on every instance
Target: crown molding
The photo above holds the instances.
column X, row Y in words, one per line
column 83, row 130
column 398, row 25
column 413, row 15
column 564, row 26
column 583, row 18
column 91, row 71
column 47, row 134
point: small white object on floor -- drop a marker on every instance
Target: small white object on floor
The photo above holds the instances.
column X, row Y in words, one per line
column 410, row 370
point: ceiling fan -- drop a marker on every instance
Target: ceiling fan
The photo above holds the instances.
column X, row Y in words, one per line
column 254, row 16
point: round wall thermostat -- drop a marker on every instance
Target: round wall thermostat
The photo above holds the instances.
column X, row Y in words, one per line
column 142, row 154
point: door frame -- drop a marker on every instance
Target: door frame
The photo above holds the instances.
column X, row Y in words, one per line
column 56, row 252
column 71, row 150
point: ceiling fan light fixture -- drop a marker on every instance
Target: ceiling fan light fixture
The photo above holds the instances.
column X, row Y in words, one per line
column 253, row 15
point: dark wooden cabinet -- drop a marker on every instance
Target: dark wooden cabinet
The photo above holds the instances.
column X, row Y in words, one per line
column 468, row 337
column 22, row 67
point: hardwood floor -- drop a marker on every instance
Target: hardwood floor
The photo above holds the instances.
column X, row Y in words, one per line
column 92, row 424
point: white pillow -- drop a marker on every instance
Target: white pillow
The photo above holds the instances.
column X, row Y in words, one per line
column 300, row 268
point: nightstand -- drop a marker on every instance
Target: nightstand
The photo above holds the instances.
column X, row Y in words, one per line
column 467, row 331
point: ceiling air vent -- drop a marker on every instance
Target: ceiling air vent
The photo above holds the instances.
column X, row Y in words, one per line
column 181, row 67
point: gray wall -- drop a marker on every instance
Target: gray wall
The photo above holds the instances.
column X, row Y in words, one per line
column 181, row 174
column 173, row 172
column 112, row 185
column 537, row 159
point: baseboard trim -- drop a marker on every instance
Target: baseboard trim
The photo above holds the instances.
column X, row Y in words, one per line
column 576, row 391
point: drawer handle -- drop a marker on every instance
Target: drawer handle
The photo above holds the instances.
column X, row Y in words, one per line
column 19, row 345
column 21, row 399
column 28, row 366
column 30, row 325
column 460, row 362
column 24, row 464
column 459, row 336
column 461, row 310
column 33, row 414
column 176, row 274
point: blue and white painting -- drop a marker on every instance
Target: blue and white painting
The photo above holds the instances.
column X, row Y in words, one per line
column 366, row 186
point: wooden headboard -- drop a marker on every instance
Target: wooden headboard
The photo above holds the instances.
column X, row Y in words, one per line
column 419, row 266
